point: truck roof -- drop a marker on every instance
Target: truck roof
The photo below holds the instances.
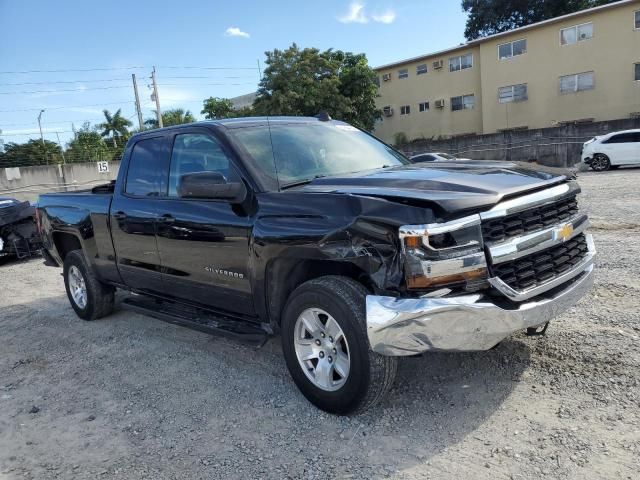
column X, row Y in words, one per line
column 240, row 122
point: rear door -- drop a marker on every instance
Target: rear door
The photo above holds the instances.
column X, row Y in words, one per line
column 619, row 148
column 204, row 244
column 134, row 213
column 634, row 148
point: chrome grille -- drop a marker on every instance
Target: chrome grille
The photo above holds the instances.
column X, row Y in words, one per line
column 503, row 228
column 541, row 267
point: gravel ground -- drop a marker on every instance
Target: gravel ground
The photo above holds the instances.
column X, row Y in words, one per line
column 132, row 397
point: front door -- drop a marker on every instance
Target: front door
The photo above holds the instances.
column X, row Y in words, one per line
column 134, row 214
column 204, row 244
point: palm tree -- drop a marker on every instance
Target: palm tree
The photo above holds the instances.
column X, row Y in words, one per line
column 114, row 126
column 177, row 116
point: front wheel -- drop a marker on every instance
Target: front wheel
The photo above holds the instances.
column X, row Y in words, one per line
column 600, row 163
column 326, row 348
column 90, row 298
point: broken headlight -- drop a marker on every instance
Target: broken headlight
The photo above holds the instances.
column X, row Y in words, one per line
column 444, row 254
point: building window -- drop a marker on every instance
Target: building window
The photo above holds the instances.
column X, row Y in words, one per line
column 405, row 110
column 636, row 19
column 424, row 106
column 463, row 102
column 421, row 69
column 577, row 82
column 636, row 70
column 461, row 62
column 577, row 33
column 377, row 81
column 513, row 93
column 404, row 73
column 512, row 49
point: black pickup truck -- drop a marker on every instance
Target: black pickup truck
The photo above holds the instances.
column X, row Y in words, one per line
column 315, row 230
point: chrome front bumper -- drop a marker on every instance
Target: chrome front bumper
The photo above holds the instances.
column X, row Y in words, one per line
column 407, row 326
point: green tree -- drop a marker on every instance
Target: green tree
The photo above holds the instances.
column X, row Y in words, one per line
column 30, row 153
column 87, row 146
column 115, row 126
column 215, row 107
column 306, row 81
column 176, row 116
column 486, row 17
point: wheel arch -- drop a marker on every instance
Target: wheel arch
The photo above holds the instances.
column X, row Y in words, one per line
column 283, row 276
column 65, row 242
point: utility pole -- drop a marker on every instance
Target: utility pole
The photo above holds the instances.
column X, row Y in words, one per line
column 135, row 90
column 64, row 160
column 44, row 148
column 154, row 96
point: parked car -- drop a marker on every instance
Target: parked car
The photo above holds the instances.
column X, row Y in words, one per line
column 435, row 157
column 612, row 150
column 315, row 230
column 18, row 233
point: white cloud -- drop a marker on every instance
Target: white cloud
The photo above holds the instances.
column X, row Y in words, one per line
column 387, row 16
column 355, row 14
column 235, row 32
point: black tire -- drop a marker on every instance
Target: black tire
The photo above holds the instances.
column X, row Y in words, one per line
column 600, row 163
column 100, row 297
column 370, row 375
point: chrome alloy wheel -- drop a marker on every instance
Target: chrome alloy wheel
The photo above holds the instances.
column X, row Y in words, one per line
column 77, row 287
column 599, row 163
column 322, row 349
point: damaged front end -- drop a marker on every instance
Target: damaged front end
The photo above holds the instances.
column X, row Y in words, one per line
column 18, row 229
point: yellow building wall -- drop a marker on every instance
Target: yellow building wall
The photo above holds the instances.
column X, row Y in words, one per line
column 431, row 86
column 610, row 54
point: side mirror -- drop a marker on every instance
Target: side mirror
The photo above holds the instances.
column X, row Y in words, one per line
column 212, row 186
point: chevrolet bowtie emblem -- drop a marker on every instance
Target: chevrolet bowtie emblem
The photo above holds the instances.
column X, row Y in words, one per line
column 564, row 232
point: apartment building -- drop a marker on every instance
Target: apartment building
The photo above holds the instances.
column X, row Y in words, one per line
column 582, row 67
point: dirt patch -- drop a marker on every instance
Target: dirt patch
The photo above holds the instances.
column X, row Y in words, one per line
column 132, row 397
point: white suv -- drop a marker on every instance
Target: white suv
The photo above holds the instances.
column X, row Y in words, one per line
column 612, row 150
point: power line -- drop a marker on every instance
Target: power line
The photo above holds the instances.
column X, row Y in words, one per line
column 104, row 69
column 63, row 81
column 66, row 91
column 58, row 82
column 67, row 107
column 116, row 87
column 50, row 123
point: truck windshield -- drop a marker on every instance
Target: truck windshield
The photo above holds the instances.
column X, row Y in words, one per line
column 304, row 151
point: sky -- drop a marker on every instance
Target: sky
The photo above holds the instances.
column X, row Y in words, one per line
column 75, row 58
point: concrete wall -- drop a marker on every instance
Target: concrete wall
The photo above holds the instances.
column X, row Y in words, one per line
column 611, row 54
column 554, row 147
column 26, row 183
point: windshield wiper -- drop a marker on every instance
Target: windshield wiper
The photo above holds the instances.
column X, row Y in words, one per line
column 300, row 182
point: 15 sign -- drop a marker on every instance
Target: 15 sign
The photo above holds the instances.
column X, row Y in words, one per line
column 103, row 167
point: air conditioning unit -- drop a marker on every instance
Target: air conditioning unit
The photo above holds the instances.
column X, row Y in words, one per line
column 439, row 103
column 388, row 111
column 386, row 77
column 438, row 64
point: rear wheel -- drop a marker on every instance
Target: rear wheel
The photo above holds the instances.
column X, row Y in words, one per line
column 90, row 298
column 326, row 348
column 600, row 162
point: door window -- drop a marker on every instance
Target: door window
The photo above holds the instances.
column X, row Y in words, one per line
column 148, row 165
column 622, row 138
column 198, row 152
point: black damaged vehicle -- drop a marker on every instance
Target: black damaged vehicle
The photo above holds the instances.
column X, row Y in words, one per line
column 314, row 230
column 18, row 233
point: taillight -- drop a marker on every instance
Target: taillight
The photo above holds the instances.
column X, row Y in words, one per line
column 38, row 226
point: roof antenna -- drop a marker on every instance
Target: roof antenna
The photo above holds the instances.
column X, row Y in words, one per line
column 323, row 117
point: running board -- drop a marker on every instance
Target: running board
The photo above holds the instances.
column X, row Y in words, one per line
column 197, row 319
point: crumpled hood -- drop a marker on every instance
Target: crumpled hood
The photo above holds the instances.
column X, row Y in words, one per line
column 453, row 186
